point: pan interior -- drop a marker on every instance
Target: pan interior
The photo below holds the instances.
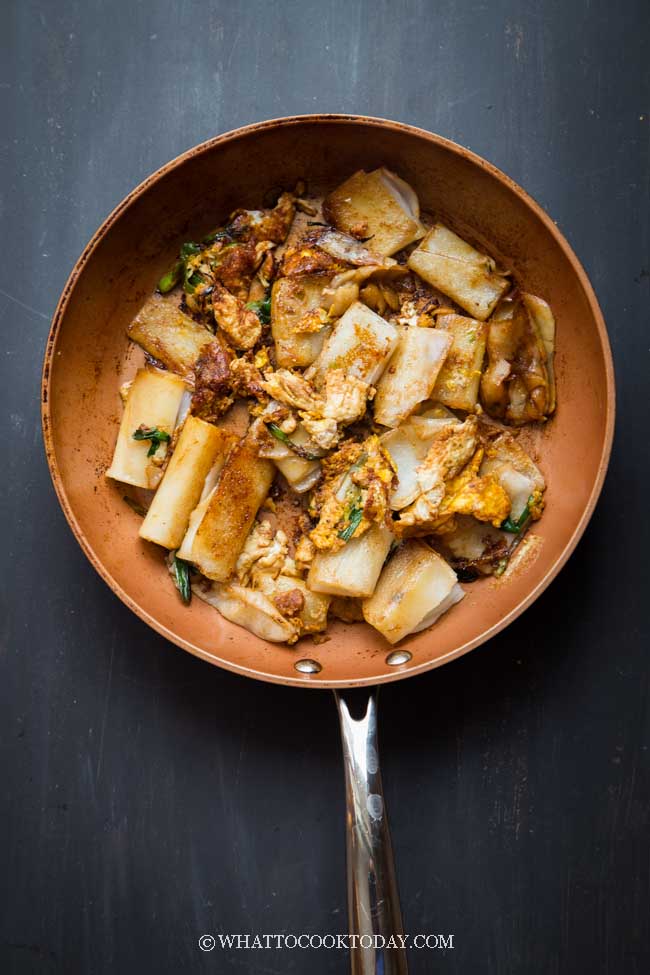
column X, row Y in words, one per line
column 89, row 355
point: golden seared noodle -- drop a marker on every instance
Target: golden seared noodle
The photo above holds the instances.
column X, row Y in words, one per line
column 328, row 421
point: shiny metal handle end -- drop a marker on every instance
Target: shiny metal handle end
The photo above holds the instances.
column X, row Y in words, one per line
column 373, row 900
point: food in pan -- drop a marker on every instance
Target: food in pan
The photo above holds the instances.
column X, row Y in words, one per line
column 331, row 419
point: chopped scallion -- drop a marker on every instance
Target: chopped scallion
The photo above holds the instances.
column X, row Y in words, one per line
column 181, row 575
column 279, row 434
column 514, row 527
column 262, row 309
column 171, row 279
column 153, row 434
column 356, row 514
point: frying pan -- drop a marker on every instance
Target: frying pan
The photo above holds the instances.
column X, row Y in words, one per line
column 88, row 356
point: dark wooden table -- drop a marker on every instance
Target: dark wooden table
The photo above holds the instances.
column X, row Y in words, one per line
column 147, row 798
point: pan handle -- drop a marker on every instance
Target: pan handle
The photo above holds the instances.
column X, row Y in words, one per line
column 373, row 900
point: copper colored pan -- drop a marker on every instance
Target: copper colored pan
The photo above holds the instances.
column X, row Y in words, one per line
column 88, row 355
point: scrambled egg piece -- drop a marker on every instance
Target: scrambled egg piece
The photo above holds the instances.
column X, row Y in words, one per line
column 264, row 554
column 306, row 258
column 507, row 461
column 311, row 321
column 265, row 225
column 269, row 595
column 345, row 396
column 376, row 477
column 456, row 487
column 350, row 503
column 261, row 359
column 340, row 462
column 305, row 552
column 241, row 324
column 452, row 448
column 293, row 390
column 246, row 378
column 419, row 304
column 324, row 432
column 420, row 313
column 479, row 495
column 342, row 401
column 325, row 535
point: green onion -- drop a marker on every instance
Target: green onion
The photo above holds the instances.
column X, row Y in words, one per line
column 514, row 527
column 171, row 279
column 354, row 495
column 262, row 309
column 189, row 249
column 279, row 434
column 153, row 434
column 181, row 575
column 192, row 281
column 179, row 269
column 356, row 514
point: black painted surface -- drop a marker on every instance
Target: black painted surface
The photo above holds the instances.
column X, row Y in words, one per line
column 147, row 798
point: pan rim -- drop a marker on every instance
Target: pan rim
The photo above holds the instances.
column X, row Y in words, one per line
column 316, row 681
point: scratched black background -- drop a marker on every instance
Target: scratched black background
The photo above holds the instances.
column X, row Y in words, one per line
column 147, row 798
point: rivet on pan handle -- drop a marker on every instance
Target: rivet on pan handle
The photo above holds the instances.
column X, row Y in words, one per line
column 373, row 899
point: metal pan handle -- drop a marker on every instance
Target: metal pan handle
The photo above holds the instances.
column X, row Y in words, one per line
column 373, row 901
